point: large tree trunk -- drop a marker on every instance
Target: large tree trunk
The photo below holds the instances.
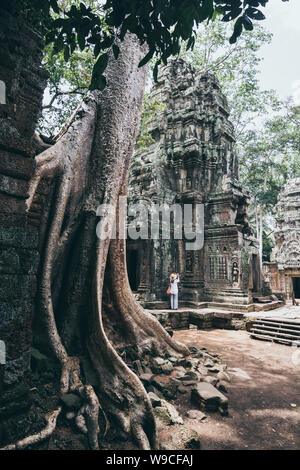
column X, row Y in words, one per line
column 89, row 164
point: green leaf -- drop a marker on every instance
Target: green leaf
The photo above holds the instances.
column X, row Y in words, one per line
column 97, row 49
column 66, row 53
column 255, row 14
column 100, row 64
column 81, row 40
column 237, row 31
column 155, row 70
column 206, row 10
column 72, row 43
column 82, row 8
column 146, row 58
column 232, row 14
column 247, row 23
column 116, row 51
column 58, row 44
column 98, row 83
column 54, row 6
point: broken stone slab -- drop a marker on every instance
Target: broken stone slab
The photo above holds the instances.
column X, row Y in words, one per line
column 180, row 371
column 202, row 370
column 182, row 437
column 158, row 361
column 182, row 361
column 193, row 362
column 174, row 360
column 156, row 364
column 190, row 375
column 154, row 390
column 193, row 350
column 147, row 369
column 166, row 385
column 167, row 367
column 189, row 383
column 196, row 414
column 208, row 363
column 167, row 413
column 155, row 400
column 176, row 381
column 210, row 380
column 208, row 397
column 214, row 369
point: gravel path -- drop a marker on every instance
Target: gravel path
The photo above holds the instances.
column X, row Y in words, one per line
column 264, row 392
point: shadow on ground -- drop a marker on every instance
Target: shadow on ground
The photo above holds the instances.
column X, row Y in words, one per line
column 264, row 393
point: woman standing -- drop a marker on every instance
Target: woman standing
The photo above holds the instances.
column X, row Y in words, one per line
column 174, row 280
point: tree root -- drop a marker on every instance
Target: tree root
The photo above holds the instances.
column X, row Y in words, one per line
column 87, row 418
column 143, row 329
column 51, row 419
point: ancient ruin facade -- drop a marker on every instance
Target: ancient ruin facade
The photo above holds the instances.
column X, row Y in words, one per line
column 283, row 271
column 22, row 82
column 190, row 159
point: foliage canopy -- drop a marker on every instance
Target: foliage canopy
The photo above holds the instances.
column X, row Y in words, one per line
column 161, row 24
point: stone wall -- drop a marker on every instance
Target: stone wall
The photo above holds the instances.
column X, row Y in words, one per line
column 22, row 83
column 284, row 269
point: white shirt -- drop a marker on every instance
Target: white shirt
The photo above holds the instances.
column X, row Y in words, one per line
column 174, row 286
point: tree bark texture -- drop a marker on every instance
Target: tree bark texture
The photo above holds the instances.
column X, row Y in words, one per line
column 86, row 309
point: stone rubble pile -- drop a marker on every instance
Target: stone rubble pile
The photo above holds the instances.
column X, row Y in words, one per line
column 201, row 377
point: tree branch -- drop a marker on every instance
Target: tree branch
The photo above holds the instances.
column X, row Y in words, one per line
column 76, row 91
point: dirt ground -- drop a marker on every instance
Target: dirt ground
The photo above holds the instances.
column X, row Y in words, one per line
column 264, row 393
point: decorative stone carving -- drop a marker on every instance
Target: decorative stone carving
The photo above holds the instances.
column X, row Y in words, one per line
column 190, row 160
column 284, row 270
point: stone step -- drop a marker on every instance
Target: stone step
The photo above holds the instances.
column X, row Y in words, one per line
column 262, row 300
column 270, row 338
column 261, row 307
column 278, row 320
column 277, row 324
column 272, row 327
column 275, row 334
column 276, row 329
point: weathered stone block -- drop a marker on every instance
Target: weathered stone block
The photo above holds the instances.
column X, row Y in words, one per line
column 15, row 165
column 208, row 397
column 19, row 238
column 13, row 186
column 17, row 287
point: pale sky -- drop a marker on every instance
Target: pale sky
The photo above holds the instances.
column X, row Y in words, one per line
column 280, row 69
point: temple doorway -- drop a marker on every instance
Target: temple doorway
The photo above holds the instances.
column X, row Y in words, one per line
column 296, row 287
column 133, row 269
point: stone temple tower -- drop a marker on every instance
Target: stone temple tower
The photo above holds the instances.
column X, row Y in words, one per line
column 284, row 269
column 190, row 159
